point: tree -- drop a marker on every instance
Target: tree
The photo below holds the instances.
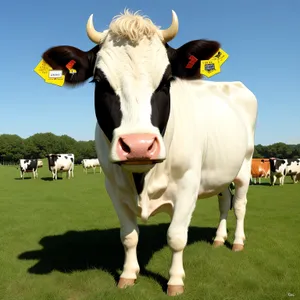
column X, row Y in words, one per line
column 13, row 147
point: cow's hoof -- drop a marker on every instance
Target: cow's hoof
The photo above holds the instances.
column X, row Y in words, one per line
column 217, row 244
column 174, row 290
column 237, row 247
column 125, row 282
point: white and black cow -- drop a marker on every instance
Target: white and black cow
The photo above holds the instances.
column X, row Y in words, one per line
column 61, row 163
column 29, row 165
column 90, row 163
column 164, row 137
column 284, row 167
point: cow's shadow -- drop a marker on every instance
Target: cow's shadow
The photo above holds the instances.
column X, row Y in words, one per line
column 25, row 178
column 50, row 178
column 102, row 249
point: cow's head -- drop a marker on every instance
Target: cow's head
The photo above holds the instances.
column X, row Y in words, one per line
column 132, row 67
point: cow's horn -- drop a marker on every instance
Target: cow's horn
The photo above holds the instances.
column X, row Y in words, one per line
column 169, row 33
column 94, row 35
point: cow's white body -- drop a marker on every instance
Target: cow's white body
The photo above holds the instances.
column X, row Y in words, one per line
column 64, row 163
column 91, row 163
column 209, row 143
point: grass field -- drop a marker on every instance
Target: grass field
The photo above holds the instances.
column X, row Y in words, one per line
column 60, row 240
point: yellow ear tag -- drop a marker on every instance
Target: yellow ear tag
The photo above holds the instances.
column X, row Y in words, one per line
column 221, row 55
column 55, row 77
column 72, row 71
column 42, row 69
column 210, row 67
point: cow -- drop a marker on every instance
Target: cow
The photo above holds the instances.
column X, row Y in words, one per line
column 293, row 168
column 281, row 167
column 40, row 163
column 29, row 165
column 260, row 167
column 164, row 136
column 91, row 163
column 61, row 163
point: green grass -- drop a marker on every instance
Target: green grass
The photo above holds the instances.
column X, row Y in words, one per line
column 60, row 240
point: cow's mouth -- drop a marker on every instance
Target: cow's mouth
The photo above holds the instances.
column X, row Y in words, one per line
column 139, row 162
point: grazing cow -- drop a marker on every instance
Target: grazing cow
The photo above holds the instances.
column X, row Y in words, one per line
column 29, row 165
column 260, row 167
column 284, row 167
column 40, row 163
column 91, row 163
column 163, row 135
column 61, row 163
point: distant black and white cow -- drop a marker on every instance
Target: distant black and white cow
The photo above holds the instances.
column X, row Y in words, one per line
column 29, row 165
column 164, row 137
column 91, row 163
column 284, row 167
column 61, row 163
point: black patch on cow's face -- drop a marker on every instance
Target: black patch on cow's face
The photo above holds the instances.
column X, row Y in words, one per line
column 275, row 164
column 51, row 160
column 107, row 105
column 272, row 165
column 66, row 157
column 160, row 102
column 72, row 160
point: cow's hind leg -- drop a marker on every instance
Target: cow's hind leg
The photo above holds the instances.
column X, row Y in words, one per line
column 239, row 204
column 224, row 198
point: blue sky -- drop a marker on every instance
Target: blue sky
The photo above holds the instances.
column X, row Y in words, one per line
column 261, row 37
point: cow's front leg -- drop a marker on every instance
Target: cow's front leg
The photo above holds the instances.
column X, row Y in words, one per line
column 185, row 201
column 129, row 234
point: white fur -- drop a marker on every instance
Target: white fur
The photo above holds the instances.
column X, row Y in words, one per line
column 209, row 143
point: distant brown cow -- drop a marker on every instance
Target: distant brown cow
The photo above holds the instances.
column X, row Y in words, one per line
column 260, row 167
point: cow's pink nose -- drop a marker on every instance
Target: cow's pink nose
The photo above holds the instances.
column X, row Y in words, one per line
column 138, row 147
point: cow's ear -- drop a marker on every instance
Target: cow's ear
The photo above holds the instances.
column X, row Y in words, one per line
column 184, row 64
column 62, row 57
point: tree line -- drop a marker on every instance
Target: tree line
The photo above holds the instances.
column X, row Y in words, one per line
column 13, row 148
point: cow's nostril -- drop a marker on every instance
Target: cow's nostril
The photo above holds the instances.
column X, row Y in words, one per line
column 124, row 146
column 151, row 146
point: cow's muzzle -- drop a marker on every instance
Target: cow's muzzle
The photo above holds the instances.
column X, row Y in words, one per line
column 138, row 149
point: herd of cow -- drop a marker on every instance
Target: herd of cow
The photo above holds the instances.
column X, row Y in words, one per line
column 57, row 163
column 273, row 168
